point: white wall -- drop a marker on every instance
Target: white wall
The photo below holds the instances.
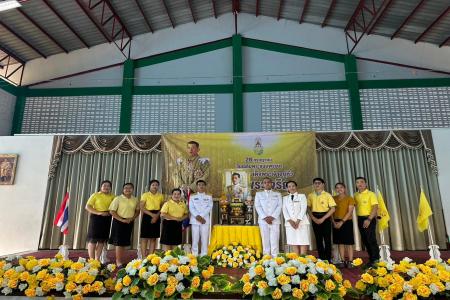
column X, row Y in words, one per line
column 264, row 28
column 22, row 204
column 107, row 77
column 441, row 140
column 7, row 104
column 214, row 67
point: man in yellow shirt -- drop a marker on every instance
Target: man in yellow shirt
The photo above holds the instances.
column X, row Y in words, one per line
column 321, row 207
column 366, row 210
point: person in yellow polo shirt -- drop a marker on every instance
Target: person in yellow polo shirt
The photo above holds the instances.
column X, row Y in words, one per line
column 151, row 203
column 124, row 209
column 321, row 207
column 173, row 213
column 366, row 210
column 99, row 219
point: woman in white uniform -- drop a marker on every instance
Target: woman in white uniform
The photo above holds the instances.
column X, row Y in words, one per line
column 296, row 219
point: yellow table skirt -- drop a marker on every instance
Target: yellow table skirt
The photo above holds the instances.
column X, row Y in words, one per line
column 223, row 235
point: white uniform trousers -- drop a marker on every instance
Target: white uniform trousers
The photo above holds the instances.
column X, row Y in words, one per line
column 270, row 235
column 200, row 233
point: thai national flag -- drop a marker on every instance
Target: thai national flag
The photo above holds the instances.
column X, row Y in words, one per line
column 62, row 218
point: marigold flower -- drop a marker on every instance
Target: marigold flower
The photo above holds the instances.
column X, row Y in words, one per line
column 312, row 278
column 347, row 284
column 186, row 295
column 247, row 288
column 170, row 290
column 195, row 282
column 357, row 262
column 245, row 278
column 367, row 278
column 134, row 289
column 277, row 294
column 329, row 285
column 118, row 287
column 30, row 292
column 185, row 270
column 283, row 279
column 153, row 279
column 262, row 284
column 409, row 296
column 171, row 280
column 155, row 260
column 206, row 274
column 360, row 285
column 297, row 293
column 207, row 286
column 290, row 270
column 163, row 267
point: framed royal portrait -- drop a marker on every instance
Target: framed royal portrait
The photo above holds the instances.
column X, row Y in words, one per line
column 8, row 163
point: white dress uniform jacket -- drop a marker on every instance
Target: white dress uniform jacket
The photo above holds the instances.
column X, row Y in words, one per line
column 200, row 204
column 269, row 203
column 294, row 208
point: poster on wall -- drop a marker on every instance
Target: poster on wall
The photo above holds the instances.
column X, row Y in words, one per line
column 213, row 156
column 8, row 164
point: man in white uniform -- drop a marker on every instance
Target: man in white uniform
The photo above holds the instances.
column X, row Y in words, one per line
column 200, row 207
column 268, row 204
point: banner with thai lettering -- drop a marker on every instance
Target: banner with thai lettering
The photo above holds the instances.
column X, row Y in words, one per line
column 239, row 161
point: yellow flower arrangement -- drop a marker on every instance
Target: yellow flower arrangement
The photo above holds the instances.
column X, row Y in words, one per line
column 172, row 274
column 235, row 255
column 290, row 276
column 54, row 276
column 406, row 280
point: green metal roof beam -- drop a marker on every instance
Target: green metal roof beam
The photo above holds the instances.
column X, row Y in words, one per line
column 294, row 50
column 182, row 53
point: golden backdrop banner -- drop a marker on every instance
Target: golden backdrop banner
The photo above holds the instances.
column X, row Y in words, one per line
column 215, row 157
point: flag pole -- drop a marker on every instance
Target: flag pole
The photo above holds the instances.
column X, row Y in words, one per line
column 385, row 253
column 434, row 249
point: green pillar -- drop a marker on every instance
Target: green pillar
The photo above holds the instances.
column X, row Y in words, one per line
column 351, row 75
column 126, row 104
column 238, row 103
column 19, row 110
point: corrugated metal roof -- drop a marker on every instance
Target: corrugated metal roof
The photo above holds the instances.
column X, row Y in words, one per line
column 179, row 12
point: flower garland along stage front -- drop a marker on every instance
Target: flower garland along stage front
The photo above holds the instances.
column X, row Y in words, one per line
column 168, row 275
column 406, row 280
column 235, row 256
column 289, row 276
column 41, row 277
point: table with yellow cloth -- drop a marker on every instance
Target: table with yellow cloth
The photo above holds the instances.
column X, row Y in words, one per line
column 224, row 235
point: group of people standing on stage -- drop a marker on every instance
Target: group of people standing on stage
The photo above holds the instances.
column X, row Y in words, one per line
column 329, row 216
column 124, row 209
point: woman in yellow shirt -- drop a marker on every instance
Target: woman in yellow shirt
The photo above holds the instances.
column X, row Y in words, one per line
column 173, row 212
column 343, row 224
column 124, row 209
column 151, row 203
column 99, row 219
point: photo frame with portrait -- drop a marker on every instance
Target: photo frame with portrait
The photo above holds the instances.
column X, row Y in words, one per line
column 8, row 164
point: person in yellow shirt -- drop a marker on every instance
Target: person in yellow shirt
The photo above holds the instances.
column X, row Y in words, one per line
column 366, row 210
column 321, row 207
column 151, row 203
column 124, row 209
column 173, row 212
column 343, row 224
column 99, row 219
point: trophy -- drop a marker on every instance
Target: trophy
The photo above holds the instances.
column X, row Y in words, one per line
column 223, row 202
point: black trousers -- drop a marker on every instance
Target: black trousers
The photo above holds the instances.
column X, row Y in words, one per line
column 322, row 232
column 369, row 238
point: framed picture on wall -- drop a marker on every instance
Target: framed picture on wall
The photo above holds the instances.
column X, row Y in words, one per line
column 8, row 163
